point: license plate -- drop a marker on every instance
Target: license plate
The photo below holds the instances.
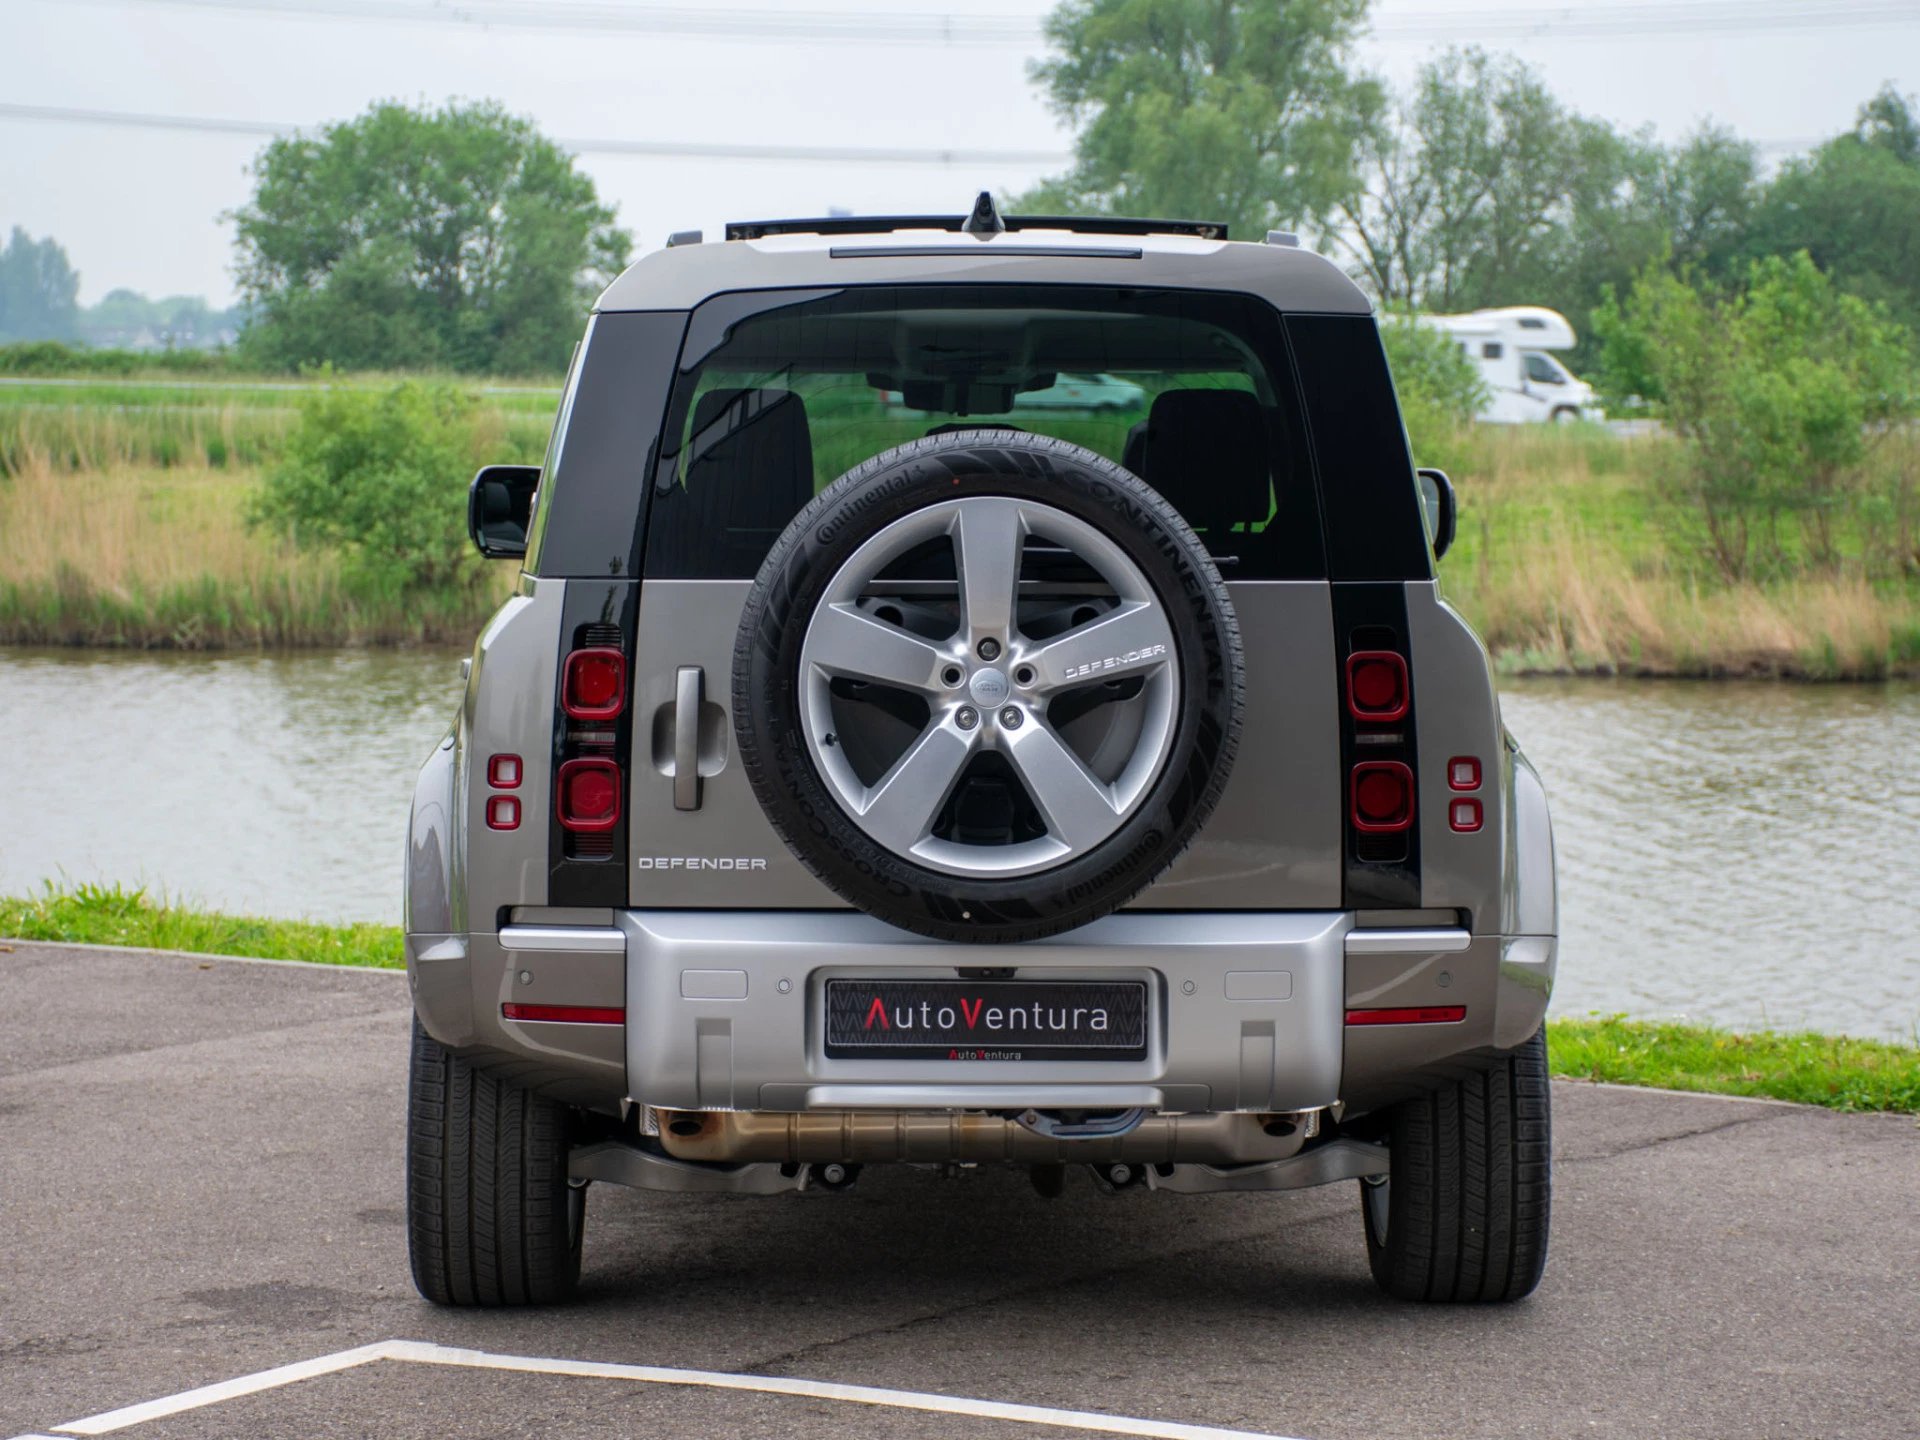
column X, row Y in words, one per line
column 987, row 1019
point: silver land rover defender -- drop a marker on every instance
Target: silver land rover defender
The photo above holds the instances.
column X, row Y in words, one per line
column 872, row 768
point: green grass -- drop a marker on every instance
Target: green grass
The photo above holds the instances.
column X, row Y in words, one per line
column 1831, row 1071
column 111, row 915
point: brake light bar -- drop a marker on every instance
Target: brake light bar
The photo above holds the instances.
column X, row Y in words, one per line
column 565, row 1014
column 1409, row 1015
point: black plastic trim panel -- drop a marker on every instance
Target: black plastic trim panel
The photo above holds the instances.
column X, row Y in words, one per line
column 1369, row 499
column 1373, row 616
column 601, row 881
column 590, row 507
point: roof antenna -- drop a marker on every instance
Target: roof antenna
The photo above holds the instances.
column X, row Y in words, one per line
column 985, row 221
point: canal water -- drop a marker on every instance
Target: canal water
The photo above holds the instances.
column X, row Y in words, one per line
column 1741, row 853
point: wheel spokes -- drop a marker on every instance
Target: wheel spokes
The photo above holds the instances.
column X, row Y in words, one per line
column 987, row 535
column 1077, row 805
column 845, row 641
column 900, row 810
column 1132, row 640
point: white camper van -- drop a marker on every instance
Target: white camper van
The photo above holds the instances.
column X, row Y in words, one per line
column 1524, row 382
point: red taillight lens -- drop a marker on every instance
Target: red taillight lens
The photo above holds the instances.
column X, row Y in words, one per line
column 1465, row 816
column 1463, row 772
column 595, row 687
column 503, row 813
column 503, row 772
column 589, row 795
column 1382, row 795
column 1376, row 685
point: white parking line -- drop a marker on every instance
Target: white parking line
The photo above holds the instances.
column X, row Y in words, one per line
column 421, row 1353
column 226, row 1390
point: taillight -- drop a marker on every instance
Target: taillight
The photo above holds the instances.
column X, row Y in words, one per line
column 595, row 686
column 1377, row 687
column 589, row 795
column 1382, row 797
column 503, row 772
column 503, row 813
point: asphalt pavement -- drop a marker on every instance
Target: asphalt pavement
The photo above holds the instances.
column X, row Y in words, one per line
column 200, row 1180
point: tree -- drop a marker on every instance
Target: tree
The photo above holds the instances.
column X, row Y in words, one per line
column 457, row 238
column 38, row 290
column 1777, row 391
column 1854, row 206
column 1467, row 181
column 1441, row 391
column 377, row 476
column 1237, row 110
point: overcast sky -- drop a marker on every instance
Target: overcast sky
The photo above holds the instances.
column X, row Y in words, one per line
column 139, row 206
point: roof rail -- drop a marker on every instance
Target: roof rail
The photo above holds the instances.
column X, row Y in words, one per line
column 883, row 224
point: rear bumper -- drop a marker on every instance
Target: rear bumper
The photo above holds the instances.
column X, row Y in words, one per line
column 763, row 1047
column 726, row 1010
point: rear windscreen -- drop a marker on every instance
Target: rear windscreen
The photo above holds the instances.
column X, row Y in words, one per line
column 1190, row 391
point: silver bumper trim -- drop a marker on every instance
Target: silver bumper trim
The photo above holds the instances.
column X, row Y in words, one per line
column 564, row 938
column 1407, row 942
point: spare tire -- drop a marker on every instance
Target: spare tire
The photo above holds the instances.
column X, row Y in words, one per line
column 987, row 686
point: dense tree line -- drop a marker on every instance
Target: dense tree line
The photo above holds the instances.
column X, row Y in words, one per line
column 1476, row 187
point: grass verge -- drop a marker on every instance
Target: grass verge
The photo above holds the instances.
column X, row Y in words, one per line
column 1827, row 1070
column 1833, row 1071
column 111, row 915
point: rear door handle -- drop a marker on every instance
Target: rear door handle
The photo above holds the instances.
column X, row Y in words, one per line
column 689, row 691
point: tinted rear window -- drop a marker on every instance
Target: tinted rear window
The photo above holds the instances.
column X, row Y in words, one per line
column 1192, row 391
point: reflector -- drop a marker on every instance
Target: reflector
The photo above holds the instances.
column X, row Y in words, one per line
column 569, row 1014
column 1409, row 1015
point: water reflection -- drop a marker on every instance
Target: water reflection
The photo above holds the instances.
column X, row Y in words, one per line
column 270, row 784
column 1744, row 853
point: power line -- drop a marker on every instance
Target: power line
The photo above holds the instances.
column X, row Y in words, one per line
column 1630, row 18
column 663, row 149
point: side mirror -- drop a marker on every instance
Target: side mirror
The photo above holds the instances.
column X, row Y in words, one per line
column 1438, row 505
column 500, row 508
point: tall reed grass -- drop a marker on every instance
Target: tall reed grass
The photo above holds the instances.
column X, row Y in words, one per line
column 135, row 555
column 1569, row 560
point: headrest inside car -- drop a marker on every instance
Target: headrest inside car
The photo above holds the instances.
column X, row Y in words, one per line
column 1207, row 452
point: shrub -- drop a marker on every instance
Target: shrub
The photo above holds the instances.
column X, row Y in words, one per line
column 381, row 476
column 1440, row 389
column 1778, row 391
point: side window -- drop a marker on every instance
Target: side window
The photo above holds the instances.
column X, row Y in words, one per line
column 1542, row 370
column 536, row 524
column 1492, row 350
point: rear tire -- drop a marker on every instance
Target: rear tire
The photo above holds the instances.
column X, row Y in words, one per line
column 1462, row 1217
column 491, row 1217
